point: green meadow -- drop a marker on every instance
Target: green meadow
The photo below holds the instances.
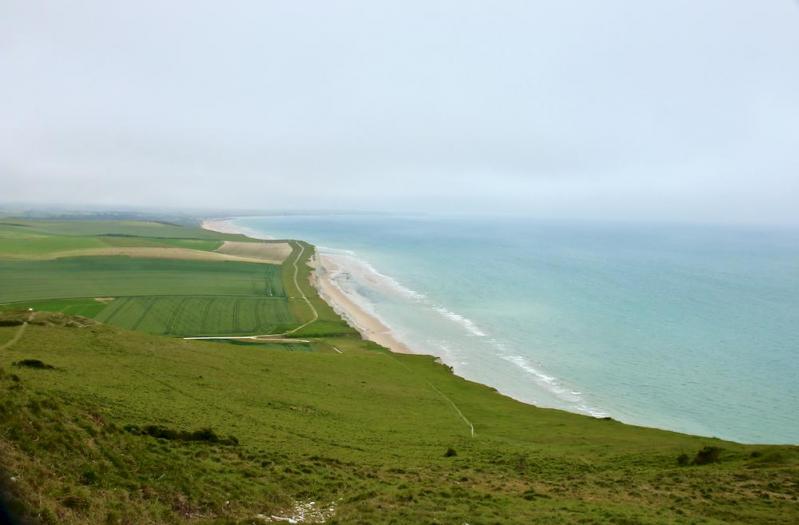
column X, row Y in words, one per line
column 103, row 421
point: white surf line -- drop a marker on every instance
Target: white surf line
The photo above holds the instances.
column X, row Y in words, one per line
column 303, row 297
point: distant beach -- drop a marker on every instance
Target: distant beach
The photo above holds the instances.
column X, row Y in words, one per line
column 326, row 271
column 225, row 225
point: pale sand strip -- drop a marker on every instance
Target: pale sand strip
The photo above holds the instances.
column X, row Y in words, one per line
column 274, row 252
column 365, row 323
column 225, row 225
column 219, row 226
column 155, row 253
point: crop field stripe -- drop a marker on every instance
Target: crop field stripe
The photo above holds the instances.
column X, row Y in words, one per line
column 236, row 307
column 114, row 307
column 147, row 309
column 206, row 310
column 175, row 314
column 258, row 317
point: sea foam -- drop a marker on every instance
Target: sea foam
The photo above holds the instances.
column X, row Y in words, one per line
column 552, row 384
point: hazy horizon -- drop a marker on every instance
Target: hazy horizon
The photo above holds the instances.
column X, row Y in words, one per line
column 663, row 111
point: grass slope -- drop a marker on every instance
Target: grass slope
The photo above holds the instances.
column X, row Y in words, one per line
column 106, row 425
column 364, row 430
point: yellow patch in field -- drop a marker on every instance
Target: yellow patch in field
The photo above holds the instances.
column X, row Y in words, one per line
column 273, row 252
column 157, row 253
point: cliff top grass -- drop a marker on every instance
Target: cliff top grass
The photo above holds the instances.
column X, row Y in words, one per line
column 120, row 426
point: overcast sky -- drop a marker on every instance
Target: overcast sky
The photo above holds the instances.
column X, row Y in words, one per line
column 673, row 109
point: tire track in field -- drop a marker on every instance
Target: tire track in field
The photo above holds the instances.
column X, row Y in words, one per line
column 122, row 304
column 206, row 310
column 147, row 308
column 236, row 308
column 174, row 317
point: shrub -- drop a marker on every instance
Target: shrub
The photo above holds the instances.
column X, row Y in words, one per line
column 683, row 460
column 34, row 363
column 707, row 455
column 450, row 453
column 206, row 435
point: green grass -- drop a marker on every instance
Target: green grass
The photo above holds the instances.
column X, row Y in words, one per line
column 335, row 420
column 364, row 429
column 172, row 297
column 27, row 239
column 85, row 228
column 86, row 307
column 122, row 276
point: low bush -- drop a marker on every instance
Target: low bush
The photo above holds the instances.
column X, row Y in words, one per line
column 707, row 455
column 205, row 434
column 34, row 363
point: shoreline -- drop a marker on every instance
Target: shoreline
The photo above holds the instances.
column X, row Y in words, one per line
column 223, row 225
column 323, row 280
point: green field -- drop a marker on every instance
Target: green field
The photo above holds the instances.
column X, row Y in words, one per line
column 123, row 276
column 107, row 423
column 200, row 315
column 26, row 239
column 173, row 297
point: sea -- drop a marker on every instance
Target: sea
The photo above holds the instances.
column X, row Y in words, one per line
column 691, row 328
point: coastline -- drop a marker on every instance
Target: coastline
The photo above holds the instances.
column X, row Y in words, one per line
column 325, row 270
column 223, row 225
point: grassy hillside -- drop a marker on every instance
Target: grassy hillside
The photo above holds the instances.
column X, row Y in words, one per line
column 99, row 424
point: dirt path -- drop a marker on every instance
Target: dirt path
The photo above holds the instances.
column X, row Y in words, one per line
column 443, row 396
column 18, row 335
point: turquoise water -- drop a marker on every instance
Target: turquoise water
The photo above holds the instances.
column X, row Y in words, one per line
column 689, row 328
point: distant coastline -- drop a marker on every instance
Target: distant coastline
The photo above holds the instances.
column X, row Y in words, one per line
column 323, row 278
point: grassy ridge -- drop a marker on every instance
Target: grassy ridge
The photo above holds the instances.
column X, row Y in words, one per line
column 117, row 426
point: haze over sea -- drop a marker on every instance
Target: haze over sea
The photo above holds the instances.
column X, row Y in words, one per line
column 688, row 328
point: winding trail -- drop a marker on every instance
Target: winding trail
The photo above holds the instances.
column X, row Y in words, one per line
column 19, row 333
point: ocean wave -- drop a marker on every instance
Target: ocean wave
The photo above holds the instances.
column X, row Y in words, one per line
column 362, row 271
column 553, row 385
column 468, row 324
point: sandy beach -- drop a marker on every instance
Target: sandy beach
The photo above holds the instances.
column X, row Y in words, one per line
column 370, row 327
column 323, row 279
column 224, row 225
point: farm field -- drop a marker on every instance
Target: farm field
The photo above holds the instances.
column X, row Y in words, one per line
column 143, row 291
column 29, row 239
column 200, row 315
